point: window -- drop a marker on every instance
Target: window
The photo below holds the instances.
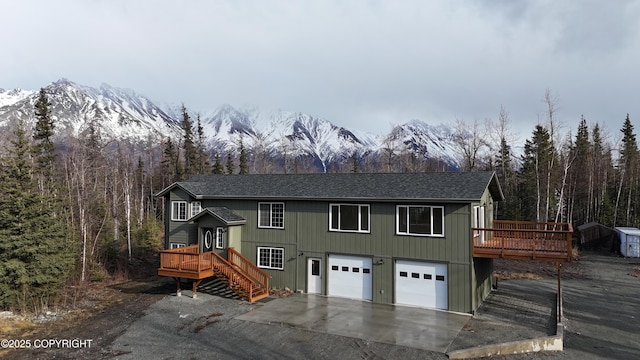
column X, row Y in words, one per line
column 478, row 222
column 176, row 245
column 271, row 258
column 271, row 215
column 220, row 238
column 420, row 220
column 179, row 210
column 208, row 240
column 348, row 217
column 196, row 207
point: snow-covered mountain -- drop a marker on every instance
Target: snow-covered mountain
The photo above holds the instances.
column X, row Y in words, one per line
column 119, row 114
column 279, row 132
column 122, row 114
column 10, row 97
column 428, row 141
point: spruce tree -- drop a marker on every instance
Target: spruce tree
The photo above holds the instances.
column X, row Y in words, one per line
column 230, row 165
column 43, row 148
column 217, row 166
column 507, row 176
column 538, row 155
column 171, row 168
column 188, row 145
column 580, row 179
column 244, row 167
column 627, row 198
column 35, row 255
column 204, row 164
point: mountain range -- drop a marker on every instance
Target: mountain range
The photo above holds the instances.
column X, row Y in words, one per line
column 124, row 115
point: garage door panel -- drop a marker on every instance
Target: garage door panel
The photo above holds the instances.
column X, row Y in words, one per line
column 421, row 284
column 350, row 276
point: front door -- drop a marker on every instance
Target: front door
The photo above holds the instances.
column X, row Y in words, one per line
column 207, row 239
column 314, row 276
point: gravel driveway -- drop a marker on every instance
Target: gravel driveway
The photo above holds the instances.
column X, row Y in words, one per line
column 601, row 310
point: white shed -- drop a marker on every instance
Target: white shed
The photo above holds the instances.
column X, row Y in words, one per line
column 629, row 241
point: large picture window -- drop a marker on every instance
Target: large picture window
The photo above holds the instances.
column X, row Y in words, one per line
column 420, row 220
column 349, row 217
column 271, row 258
column 271, row 215
column 179, row 210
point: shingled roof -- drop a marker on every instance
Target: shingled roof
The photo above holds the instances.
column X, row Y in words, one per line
column 428, row 186
column 222, row 213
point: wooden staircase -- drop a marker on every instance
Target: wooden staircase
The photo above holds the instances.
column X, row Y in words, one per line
column 241, row 275
column 237, row 272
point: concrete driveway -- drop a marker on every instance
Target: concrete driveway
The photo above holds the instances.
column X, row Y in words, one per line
column 418, row 328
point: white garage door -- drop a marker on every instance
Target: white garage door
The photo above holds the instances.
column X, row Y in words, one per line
column 350, row 277
column 421, row 284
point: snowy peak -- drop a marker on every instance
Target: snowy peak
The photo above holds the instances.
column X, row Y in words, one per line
column 426, row 140
column 10, row 97
column 118, row 113
column 229, row 121
column 277, row 131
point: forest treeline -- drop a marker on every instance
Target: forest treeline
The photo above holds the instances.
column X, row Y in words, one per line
column 83, row 209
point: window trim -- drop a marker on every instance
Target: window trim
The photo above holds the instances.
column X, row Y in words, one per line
column 270, row 226
column 207, row 237
column 191, row 208
column 408, row 233
column 219, row 242
column 479, row 222
column 176, row 245
column 174, row 216
column 360, row 229
column 271, row 250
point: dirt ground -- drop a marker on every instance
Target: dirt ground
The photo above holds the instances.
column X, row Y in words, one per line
column 107, row 310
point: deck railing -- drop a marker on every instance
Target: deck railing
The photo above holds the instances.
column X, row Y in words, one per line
column 185, row 259
column 249, row 268
column 242, row 276
column 548, row 241
column 237, row 279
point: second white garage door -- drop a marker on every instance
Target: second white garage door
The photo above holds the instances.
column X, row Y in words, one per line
column 421, row 284
column 350, row 277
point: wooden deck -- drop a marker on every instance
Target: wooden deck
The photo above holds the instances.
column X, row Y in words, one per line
column 523, row 240
column 240, row 274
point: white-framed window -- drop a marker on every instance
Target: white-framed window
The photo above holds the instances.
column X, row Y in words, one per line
column 179, row 210
column 176, row 245
column 478, row 222
column 196, row 207
column 220, row 238
column 420, row 220
column 271, row 215
column 349, row 217
column 271, row 258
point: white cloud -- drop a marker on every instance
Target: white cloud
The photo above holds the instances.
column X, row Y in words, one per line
column 359, row 64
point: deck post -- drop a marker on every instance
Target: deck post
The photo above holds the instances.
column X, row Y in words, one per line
column 559, row 301
column 195, row 287
column 178, row 291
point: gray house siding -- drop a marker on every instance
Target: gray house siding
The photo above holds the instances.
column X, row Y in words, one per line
column 306, row 231
column 179, row 232
column 306, row 234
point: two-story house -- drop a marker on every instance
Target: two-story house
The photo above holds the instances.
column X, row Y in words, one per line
column 397, row 238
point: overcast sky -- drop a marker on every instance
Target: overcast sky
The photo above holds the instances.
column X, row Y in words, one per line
column 360, row 64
